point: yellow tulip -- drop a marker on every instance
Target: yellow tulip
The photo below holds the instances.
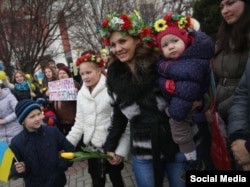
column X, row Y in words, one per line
column 68, row 155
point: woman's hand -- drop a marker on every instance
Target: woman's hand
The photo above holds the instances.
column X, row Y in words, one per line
column 240, row 152
column 116, row 159
column 209, row 116
column 246, row 167
column 197, row 105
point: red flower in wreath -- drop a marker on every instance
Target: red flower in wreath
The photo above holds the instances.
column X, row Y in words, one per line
column 78, row 61
column 105, row 41
column 146, row 32
column 105, row 23
column 147, row 36
column 127, row 23
column 90, row 58
column 168, row 18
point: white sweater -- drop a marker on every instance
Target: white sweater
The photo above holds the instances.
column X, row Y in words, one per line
column 93, row 118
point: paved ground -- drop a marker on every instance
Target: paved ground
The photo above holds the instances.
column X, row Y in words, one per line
column 78, row 176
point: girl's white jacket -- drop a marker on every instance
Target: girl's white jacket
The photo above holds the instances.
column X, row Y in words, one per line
column 93, row 118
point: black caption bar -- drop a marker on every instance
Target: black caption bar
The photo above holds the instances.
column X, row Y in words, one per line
column 223, row 178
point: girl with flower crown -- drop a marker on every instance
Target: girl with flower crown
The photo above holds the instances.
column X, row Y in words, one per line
column 93, row 118
column 137, row 100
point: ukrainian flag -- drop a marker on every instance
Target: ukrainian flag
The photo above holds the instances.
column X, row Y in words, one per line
column 6, row 158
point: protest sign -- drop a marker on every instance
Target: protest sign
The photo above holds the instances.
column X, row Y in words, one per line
column 62, row 90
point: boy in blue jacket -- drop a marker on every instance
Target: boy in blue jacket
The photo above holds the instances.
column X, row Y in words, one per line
column 37, row 149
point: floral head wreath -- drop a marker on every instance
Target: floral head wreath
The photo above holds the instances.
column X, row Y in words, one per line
column 126, row 24
column 174, row 20
column 90, row 58
column 179, row 25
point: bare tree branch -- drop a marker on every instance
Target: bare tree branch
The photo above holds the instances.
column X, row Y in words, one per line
column 29, row 28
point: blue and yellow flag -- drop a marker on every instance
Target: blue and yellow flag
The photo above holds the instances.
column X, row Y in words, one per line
column 6, row 157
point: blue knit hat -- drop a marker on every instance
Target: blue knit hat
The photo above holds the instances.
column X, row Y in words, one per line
column 24, row 107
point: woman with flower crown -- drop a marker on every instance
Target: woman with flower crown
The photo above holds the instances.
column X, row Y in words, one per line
column 138, row 101
column 92, row 121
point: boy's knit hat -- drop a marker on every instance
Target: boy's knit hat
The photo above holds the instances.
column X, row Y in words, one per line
column 175, row 24
column 66, row 69
column 24, row 107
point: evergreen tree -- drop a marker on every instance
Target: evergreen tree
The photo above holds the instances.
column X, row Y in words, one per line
column 207, row 12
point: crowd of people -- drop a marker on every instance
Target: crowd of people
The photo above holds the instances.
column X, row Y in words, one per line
column 145, row 95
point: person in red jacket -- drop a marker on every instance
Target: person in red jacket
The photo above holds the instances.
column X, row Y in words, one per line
column 49, row 115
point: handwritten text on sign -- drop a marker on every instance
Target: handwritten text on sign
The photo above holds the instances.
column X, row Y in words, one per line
column 62, row 90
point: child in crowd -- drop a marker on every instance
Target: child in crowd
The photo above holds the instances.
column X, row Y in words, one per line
column 93, row 118
column 37, row 149
column 50, row 118
column 49, row 75
column 105, row 58
column 66, row 110
column 9, row 126
column 185, row 75
column 22, row 88
column 52, row 64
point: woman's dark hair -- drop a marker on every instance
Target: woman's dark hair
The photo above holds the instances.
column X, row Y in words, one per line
column 50, row 61
column 59, row 65
column 145, row 57
column 45, row 80
column 236, row 35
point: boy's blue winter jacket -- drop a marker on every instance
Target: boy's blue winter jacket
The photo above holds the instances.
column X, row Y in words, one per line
column 40, row 153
